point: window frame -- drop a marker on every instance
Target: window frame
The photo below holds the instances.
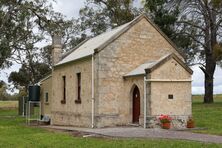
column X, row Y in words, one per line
column 79, row 80
column 63, row 101
column 46, row 96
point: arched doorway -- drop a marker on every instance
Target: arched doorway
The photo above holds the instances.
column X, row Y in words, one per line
column 136, row 105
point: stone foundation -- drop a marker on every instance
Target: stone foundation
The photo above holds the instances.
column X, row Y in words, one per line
column 70, row 119
column 178, row 122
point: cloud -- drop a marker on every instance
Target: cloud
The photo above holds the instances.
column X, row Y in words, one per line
column 70, row 8
column 197, row 76
column 198, row 81
column 197, row 90
column 4, row 74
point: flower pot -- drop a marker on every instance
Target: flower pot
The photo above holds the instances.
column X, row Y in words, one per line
column 166, row 125
column 190, row 125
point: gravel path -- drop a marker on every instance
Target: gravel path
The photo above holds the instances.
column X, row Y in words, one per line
column 138, row 132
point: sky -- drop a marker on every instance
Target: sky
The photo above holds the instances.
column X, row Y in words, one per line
column 70, row 8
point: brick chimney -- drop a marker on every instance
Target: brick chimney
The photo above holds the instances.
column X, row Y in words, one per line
column 56, row 49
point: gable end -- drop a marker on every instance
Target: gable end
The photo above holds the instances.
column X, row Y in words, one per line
column 149, row 70
column 132, row 23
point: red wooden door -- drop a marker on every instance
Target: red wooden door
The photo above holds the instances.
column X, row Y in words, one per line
column 136, row 105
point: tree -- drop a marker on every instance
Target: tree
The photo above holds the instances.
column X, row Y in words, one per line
column 29, row 74
column 24, row 23
column 201, row 21
column 3, row 93
column 99, row 15
column 165, row 14
column 2, row 83
column 15, row 17
column 206, row 17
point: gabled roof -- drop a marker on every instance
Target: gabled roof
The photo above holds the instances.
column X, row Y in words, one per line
column 152, row 65
column 88, row 47
column 140, row 70
column 99, row 42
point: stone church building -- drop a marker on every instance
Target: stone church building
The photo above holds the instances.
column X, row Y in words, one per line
column 118, row 78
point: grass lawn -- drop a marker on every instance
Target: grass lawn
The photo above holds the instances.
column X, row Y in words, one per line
column 208, row 115
column 14, row 133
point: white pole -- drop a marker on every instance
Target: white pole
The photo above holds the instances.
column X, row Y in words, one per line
column 40, row 111
column 93, row 99
column 29, row 112
column 26, row 112
column 144, row 102
column 23, row 106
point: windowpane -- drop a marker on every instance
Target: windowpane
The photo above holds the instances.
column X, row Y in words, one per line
column 46, row 97
column 64, row 87
column 79, row 86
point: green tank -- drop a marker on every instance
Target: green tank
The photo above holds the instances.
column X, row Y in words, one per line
column 34, row 93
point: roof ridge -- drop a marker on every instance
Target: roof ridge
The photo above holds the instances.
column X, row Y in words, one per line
column 83, row 50
column 113, row 29
column 87, row 39
column 127, row 27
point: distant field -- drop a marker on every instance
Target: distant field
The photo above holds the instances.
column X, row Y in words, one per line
column 199, row 98
column 8, row 104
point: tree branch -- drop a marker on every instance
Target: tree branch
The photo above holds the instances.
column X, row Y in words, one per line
column 191, row 24
column 204, row 70
column 193, row 37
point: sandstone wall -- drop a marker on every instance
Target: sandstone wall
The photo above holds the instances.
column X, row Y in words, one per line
column 136, row 46
column 46, row 87
column 181, row 91
column 113, row 93
column 72, row 113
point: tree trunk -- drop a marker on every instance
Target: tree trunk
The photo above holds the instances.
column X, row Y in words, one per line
column 209, row 79
column 208, row 97
column 211, row 41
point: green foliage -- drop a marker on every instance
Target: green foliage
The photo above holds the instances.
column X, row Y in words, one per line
column 217, row 52
column 216, row 3
column 17, row 20
column 165, row 14
column 29, row 75
column 4, row 95
column 99, row 15
column 164, row 17
column 23, row 23
column 2, row 83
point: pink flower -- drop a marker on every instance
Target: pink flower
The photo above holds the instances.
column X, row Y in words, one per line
column 165, row 118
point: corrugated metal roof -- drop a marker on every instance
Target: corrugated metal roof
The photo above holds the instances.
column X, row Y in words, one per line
column 89, row 46
column 140, row 70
